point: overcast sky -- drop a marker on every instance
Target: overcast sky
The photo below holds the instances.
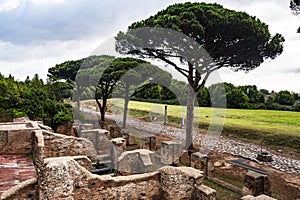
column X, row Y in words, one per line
column 37, row 34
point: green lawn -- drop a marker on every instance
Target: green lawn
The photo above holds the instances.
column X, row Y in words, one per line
column 276, row 122
column 275, row 128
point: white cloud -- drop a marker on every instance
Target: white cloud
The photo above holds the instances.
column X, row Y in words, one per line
column 8, row 5
column 43, row 2
column 23, row 61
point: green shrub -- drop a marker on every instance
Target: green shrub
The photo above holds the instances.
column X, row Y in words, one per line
column 15, row 112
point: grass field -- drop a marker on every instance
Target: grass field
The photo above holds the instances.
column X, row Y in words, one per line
column 275, row 128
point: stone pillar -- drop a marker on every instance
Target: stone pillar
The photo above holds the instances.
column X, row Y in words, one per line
column 118, row 147
column 256, row 184
column 119, row 142
column 170, row 152
column 148, row 142
column 199, row 161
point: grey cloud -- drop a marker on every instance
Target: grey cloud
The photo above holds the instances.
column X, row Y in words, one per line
column 30, row 23
column 297, row 70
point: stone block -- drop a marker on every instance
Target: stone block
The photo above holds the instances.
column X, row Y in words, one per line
column 170, row 152
column 135, row 162
column 139, row 186
column 18, row 141
column 199, row 161
column 21, row 119
column 264, row 157
column 119, row 142
column 179, row 182
column 205, row 193
column 99, row 137
column 256, row 184
column 87, row 126
column 260, row 197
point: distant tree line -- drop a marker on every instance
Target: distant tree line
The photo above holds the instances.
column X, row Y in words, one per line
column 35, row 99
column 295, row 7
column 246, row 97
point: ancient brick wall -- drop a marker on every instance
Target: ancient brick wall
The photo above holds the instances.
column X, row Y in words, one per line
column 15, row 138
column 64, row 178
column 57, row 145
column 143, row 186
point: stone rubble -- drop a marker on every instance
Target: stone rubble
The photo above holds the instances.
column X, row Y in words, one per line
column 221, row 144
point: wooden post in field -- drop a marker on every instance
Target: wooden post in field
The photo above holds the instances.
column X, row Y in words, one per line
column 182, row 122
column 166, row 115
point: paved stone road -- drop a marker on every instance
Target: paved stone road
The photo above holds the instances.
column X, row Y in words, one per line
column 220, row 144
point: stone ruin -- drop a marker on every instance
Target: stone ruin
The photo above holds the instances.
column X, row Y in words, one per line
column 64, row 163
column 64, row 166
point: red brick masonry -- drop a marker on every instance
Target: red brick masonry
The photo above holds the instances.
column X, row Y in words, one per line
column 14, row 169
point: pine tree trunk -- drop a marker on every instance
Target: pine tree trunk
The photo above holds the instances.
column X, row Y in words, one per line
column 78, row 102
column 102, row 109
column 190, row 118
column 127, row 98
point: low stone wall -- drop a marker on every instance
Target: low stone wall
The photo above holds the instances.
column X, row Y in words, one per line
column 25, row 191
column 64, row 178
column 15, row 137
column 181, row 183
column 142, row 186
